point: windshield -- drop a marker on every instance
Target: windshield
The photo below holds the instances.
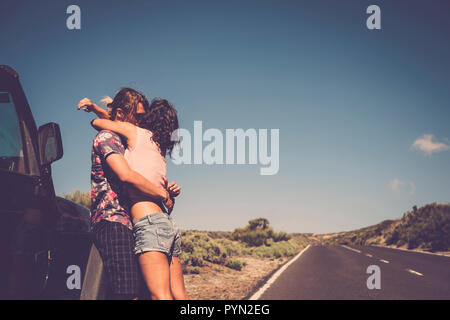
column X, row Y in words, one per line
column 11, row 147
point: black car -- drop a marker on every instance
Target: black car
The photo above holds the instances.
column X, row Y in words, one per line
column 45, row 241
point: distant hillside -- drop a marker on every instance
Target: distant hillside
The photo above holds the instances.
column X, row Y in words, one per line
column 426, row 228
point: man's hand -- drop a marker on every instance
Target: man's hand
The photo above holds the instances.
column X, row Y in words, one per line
column 173, row 189
column 120, row 167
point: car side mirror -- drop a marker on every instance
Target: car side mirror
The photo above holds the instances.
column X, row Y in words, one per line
column 50, row 143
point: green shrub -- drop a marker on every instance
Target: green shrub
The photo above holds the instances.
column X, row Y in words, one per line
column 192, row 270
column 232, row 250
column 187, row 246
column 234, row 264
column 197, row 257
column 258, row 233
column 82, row 198
column 281, row 236
column 392, row 238
column 257, row 239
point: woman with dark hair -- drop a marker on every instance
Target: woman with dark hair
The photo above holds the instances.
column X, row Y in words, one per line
column 149, row 138
column 128, row 105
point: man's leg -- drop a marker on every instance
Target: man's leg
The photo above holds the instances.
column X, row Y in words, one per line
column 115, row 242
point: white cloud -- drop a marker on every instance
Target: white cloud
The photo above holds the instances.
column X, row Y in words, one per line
column 398, row 186
column 427, row 145
column 412, row 187
column 395, row 185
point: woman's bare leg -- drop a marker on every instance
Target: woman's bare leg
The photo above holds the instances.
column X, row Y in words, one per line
column 176, row 280
column 155, row 270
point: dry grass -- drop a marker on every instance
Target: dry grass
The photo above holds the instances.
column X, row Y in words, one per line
column 216, row 282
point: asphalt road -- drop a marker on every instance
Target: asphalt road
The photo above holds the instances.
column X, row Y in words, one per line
column 339, row 272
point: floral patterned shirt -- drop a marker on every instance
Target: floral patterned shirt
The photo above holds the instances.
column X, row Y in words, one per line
column 108, row 197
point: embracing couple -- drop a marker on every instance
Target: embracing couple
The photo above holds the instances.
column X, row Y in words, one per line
column 131, row 197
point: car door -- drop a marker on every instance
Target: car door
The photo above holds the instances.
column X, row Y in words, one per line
column 72, row 244
column 26, row 205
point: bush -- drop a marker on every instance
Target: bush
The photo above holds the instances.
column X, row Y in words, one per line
column 257, row 239
column 427, row 227
column 254, row 238
column 191, row 270
column 277, row 250
column 258, row 233
column 234, row 264
column 392, row 237
column 82, row 198
column 232, row 250
column 198, row 248
column 281, row 236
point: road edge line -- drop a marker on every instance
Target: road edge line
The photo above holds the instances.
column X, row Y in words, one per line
column 409, row 250
column 275, row 276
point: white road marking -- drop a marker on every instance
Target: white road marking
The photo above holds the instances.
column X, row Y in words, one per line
column 355, row 250
column 272, row 279
column 414, row 272
column 382, row 260
column 407, row 250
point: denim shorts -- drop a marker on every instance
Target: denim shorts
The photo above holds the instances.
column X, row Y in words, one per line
column 157, row 232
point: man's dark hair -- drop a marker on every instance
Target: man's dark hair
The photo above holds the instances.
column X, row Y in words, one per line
column 127, row 99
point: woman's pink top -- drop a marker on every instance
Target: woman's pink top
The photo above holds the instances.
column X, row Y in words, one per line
column 146, row 159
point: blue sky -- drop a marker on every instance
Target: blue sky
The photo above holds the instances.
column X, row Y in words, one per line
column 349, row 102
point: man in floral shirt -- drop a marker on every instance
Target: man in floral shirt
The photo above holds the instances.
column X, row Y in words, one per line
column 111, row 222
column 107, row 192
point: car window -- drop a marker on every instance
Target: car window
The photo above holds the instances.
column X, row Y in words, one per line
column 11, row 147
